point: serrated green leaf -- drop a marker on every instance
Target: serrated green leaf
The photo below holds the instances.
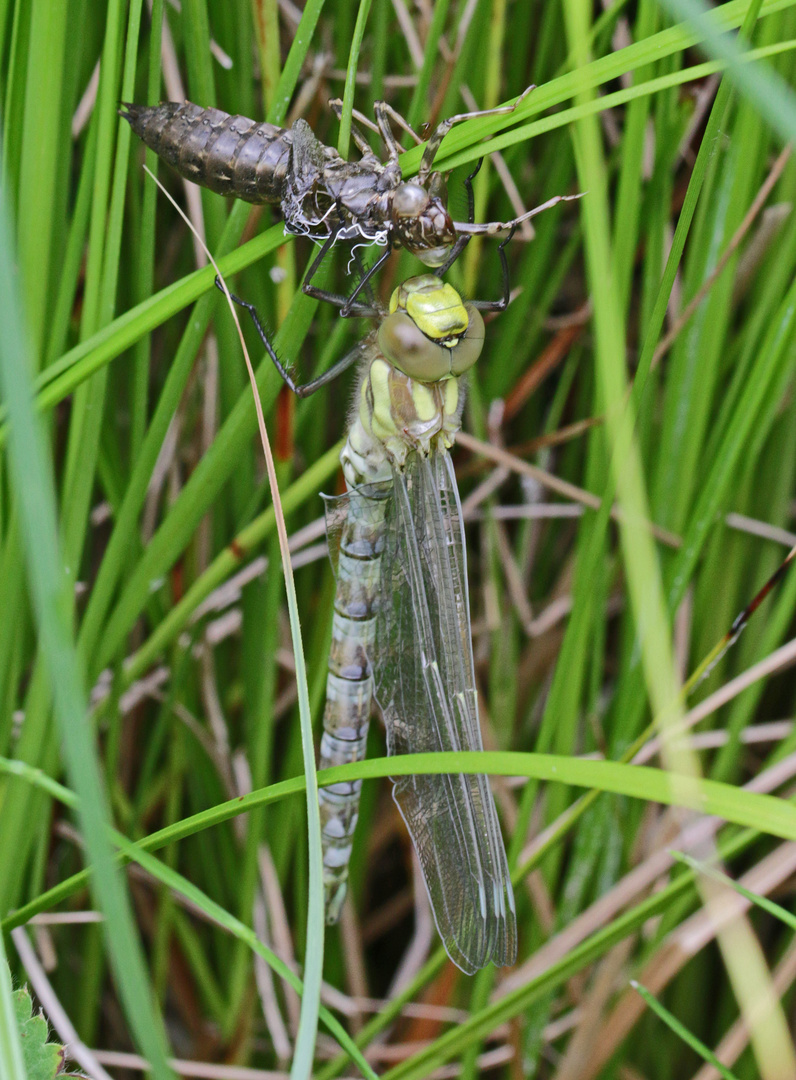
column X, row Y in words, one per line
column 43, row 1059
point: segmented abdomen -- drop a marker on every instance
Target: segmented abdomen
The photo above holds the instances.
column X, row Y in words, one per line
column 230, row 155
column 349, row 684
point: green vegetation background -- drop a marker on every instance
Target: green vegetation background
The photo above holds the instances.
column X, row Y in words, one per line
column 134, row 488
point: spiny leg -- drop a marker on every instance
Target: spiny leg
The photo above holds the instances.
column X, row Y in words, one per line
column 362, row 144
column 492, row 228
column 363, row 277
column 386, row 113
column 462, row 241
column 503, row 302
column 442, row 129
column 349, row 308
column 347, row 305
column 301, row 390
column 468, row 186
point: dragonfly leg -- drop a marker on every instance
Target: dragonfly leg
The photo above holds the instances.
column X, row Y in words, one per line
column 361, row 272
column 386, row 113
column 492, row 228
column 347, row 305
column 468, row 186
column 349, row 308
column 503, row 302
column 301, row 390
column 442, row 129
column 462, row 241
column 362, row 144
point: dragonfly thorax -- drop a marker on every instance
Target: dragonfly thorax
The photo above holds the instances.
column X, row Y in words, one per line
column 372, row 202
column 395, row 416
column 409, row 396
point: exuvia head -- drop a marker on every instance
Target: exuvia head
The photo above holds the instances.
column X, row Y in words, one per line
column 430, row 333
column 421, row 221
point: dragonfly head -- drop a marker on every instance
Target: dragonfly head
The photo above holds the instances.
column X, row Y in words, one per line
column 430, row 333
column 421, row 222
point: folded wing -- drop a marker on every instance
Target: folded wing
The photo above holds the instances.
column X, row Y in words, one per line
column 425, row 686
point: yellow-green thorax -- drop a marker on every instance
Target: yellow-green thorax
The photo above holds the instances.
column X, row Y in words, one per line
column 409, row 396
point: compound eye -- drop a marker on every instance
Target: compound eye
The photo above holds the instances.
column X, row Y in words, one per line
column 406, row 346
column 409, row 200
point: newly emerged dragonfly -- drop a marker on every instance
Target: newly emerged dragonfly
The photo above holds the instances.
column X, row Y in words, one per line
column 321, row 195
column 401, row 629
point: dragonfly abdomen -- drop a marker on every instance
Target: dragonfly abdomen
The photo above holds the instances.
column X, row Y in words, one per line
column 230, row 155
column 349, row 689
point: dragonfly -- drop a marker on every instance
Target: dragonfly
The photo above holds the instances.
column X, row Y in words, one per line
column 321, row 195
column 401, row 626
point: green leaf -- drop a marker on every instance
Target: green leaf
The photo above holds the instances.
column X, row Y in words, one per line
column 43, row 1059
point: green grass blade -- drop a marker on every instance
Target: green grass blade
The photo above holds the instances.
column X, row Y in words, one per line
column 764, row 813
column 344, row 137
column 682, row 1031
column 51, row 589
column 701, row 867
column 136, row 853
column 769, row 93
column 295, row 59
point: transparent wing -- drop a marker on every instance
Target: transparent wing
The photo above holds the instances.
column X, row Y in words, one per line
column 425, row 686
